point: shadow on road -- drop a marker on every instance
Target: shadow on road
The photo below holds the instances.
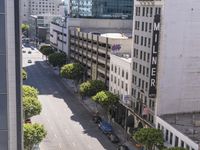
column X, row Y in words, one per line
column 41, row 76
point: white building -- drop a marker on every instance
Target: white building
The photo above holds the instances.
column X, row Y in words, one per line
column 120, row 74
column 58, row 35
column 38, row 7
column 166, row 68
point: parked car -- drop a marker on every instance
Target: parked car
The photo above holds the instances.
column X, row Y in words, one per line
column 113, row 138
column 105, row 127
column 96, row 119
column 122, row 147
column 29, row 52
column 29, row 61
column 28, row 120
column 24, row 51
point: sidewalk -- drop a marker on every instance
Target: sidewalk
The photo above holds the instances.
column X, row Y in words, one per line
column 92, row 107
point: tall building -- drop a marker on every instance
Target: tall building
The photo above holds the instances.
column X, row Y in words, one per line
column 10, row 76
column 165, row 70
column 38, row 7
column 121, row 9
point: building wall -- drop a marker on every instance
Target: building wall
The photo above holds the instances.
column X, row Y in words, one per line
column 179, row 61
column 120, row 75
column 58, row 37
column 37, row 7
column 10, row 83
column 164, row 126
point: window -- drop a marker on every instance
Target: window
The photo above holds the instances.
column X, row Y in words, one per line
column 143, row 70
column 141, row 55
column 144, row 55
column 122, row 73
column 141, row 40
column 115, row 69
column 139, row 82
column 118, row 82
column 140, row 69
column 146, row 26
column 149, row 42
column 122, row 84
column 119, row 71
column 182, row 144
column 115, row 80
column 126, row 75
column 171, row 138
column 147, row 11
column 151, row 11
column 150, row 26
column 143, row 11
column 142, row 26
column 147, row 72
column 111, row 77
column 112, row 67
column 166, row 135
column 148, row 57
column 126, row 88
column 176, row 141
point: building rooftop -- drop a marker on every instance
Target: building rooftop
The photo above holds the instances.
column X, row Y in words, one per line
column 124, row 56
column 186, row 123
column 110, row 33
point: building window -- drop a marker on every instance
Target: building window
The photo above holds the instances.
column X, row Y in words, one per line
column 151, row 11
column 126, row 75
column 122, row 84
column 141, row 42
column 150, row 26
column 112, row 67
column 115, row 80
column 167, row 135
column 176, row 141
column 146, row 26
column 115, row 69
column 143, row 11
column 119, row 71
column 171, row 138
column 111, row 77
column 142, row 26
column 182, row 144
column 126, row 88
column 141, row 55
column 122, row 73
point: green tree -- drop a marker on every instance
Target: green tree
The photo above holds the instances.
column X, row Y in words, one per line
column 29, row 91
column 175, row 148
column 46, row 50
column 149, row 137
column 24, row 74
column 105, row 98
column 91, row 87
column 73, row 71
column 33, row 134
column 57, row 59
column 25, row 28
column 31, row 107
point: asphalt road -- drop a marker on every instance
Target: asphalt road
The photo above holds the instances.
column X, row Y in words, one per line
column 67, row 122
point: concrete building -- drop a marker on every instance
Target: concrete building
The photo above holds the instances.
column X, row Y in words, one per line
column 10, row 76
column 110, row 9
column 38, row 7
column 92, row 46
column 165, row 84
column 58, row 35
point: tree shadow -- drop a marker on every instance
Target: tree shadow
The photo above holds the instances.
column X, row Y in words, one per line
column 42, row 77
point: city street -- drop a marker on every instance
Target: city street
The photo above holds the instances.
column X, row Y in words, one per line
column 68, row 123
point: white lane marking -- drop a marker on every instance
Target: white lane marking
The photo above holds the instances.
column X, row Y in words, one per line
column 60, row 145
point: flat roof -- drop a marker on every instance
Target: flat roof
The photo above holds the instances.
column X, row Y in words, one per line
column 113, row 33
column 124, row 56
column 186, row 123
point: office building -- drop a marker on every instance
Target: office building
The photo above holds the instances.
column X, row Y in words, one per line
column 111, row 9
column 38, row 7
column 10, row 76
column 165, row 67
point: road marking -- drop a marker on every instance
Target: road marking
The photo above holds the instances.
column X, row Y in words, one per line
column 60, row 145
column 74, row 144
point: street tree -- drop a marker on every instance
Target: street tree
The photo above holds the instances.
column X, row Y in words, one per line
column 73, row 71
column 91, row 87
column 31, row 107
column 25, row 28
column 57, row 59
column 29, row 91
column 24, row 74
column 46, row 50
column 149, row 137
column 105, row 98
column 33, row 135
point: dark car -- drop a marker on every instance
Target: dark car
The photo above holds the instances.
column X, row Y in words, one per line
column 29, row 61
column 122, row 147
column 105, row 127
column 29, row 52
column 113, row 138
column 96, row 119
column 28, row 120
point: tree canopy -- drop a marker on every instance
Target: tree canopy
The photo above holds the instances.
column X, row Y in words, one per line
column 31, row 107
column 105, row 98
column 149, row 137
column 46, row 50
column 73, row 71
column 91, row 87
column 57, row 59
column 24, row 27
column 33, row 134
column 29, row 91
column 24, row 74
